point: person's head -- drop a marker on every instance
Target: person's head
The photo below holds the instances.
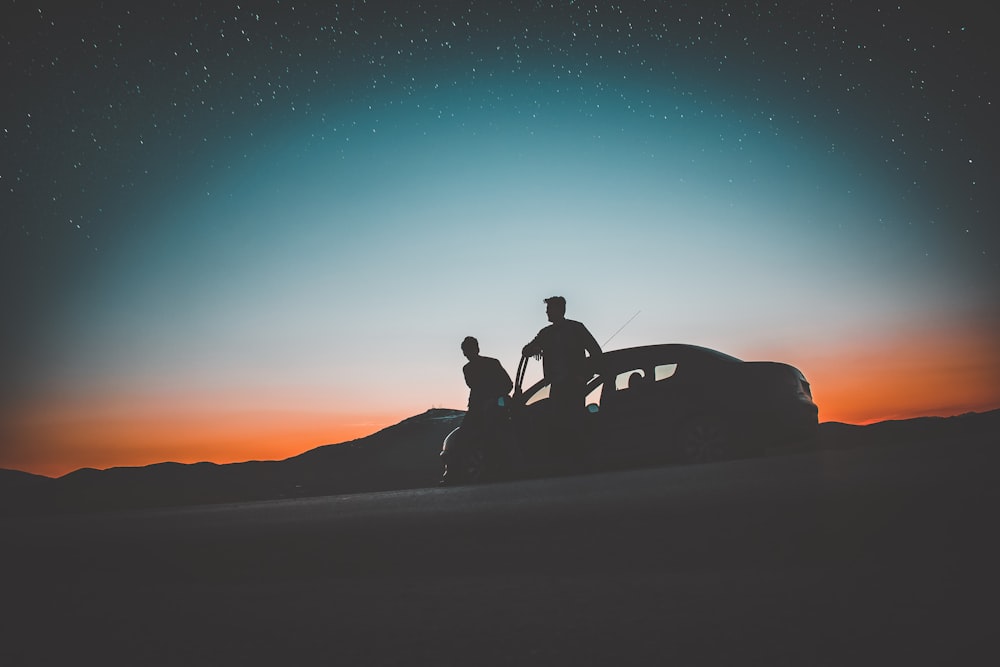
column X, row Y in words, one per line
column 555, row 308
column 470, row 347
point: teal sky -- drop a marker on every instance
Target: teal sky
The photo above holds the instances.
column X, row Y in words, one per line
column 341, row 260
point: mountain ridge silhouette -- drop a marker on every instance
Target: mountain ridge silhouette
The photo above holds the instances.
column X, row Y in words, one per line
column 400, row 456
column 403, row 455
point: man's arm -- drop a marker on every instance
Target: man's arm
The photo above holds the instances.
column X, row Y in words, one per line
column 534, row 348
column 503, row 379
column 592, row 348
column 589, row 342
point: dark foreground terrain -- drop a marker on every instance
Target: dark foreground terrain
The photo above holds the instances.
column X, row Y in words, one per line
column 877, row 554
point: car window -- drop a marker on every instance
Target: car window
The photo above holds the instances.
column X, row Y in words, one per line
column 630, row 377
column 664, row 371
column 539, row 395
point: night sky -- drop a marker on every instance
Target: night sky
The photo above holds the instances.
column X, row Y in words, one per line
column 240, row 230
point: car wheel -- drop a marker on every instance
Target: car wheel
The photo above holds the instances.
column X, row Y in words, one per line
column 704, row 438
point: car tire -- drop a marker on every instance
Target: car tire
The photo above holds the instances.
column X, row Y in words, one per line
column 704, row 438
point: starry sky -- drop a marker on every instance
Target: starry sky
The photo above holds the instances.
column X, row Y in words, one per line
column 240, row 230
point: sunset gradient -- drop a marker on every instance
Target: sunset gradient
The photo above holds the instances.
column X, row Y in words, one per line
column 921, row 374
column 240, row 232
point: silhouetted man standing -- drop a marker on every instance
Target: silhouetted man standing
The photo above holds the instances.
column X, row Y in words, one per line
column 563, row 347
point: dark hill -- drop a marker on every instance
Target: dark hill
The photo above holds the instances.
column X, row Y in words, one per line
column 19, row 489
column 404, row 455
column 401, row 456
column 972, row 426
column 17, row 480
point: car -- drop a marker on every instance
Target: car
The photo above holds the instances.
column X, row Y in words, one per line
column 648, row 405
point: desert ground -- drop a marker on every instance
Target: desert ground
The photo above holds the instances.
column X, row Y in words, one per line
column 882, row 554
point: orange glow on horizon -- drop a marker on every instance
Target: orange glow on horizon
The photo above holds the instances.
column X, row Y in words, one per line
column 923, row 373
column 59, row 445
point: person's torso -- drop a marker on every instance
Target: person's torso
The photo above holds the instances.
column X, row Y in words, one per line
column 564, row 350
column 486, row 379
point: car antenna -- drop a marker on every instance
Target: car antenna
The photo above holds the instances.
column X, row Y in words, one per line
column 620, row 328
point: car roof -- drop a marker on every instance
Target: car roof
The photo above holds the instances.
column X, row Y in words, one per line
column 668, row 353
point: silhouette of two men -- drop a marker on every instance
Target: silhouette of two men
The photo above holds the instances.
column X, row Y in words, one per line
column 570, row 356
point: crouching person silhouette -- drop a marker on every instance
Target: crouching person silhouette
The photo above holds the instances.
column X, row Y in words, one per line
column 477, row 447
